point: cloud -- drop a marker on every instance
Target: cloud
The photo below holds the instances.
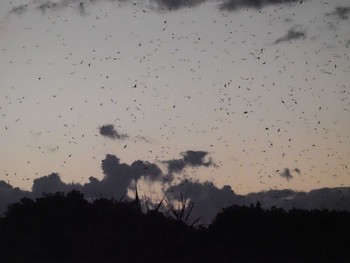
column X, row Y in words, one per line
column 270, row 198
column 325, row 198
column 293, row 34
column 231, row 5
column 340, row 12
column 109, row 131
column 207, row 198
column 142, row 138
column 177, row 4
column 51, row 184
column 189, row 158
column 48, row 5
column 18, row 10
column 9, row 195
column 80, row 5
column 118, row 177
column 82, row 9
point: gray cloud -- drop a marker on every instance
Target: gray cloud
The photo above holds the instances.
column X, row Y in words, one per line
column 80, row 5
column 20, row 9
column 177, row 4
column 208, row 199
column 9, row 195
column 49, row 5
column 142, row 138
column 189, row 158
column 111, row 168
column 109, row 131
column 118, row 177
column 51, row 184
column 82, row 9
column 231, row 5
column 293, row 34
column 324, row 198
column 340, row 12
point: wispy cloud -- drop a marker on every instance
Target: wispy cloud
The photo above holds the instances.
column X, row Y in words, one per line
column 20, row 9
column 340, row 12
column 293, row 34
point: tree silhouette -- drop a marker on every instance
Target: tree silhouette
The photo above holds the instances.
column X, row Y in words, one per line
column 67, row 228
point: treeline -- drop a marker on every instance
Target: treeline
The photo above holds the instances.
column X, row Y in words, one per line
column 67, row 228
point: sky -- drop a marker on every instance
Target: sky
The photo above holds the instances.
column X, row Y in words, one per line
column 251, row 95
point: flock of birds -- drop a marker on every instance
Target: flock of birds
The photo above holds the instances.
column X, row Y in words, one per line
column 270, row 89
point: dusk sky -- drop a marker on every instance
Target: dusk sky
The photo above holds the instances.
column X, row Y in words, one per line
column 258, row 89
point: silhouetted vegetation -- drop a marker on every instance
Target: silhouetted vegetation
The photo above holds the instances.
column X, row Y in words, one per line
column 67, row 228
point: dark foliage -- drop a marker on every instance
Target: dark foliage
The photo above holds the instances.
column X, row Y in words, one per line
column 68, row 228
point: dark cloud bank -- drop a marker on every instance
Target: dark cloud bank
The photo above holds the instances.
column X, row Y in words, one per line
column 207, row 198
